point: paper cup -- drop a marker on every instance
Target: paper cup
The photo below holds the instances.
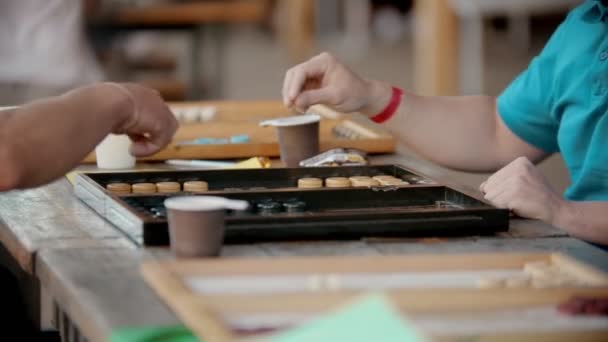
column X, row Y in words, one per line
column 196, row 224
column 113, row 153
column 298, row 137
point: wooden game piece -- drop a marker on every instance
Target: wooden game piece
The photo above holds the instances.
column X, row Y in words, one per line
column 381, row 178
column 517, row 281
column 196, row 186
column 337, row 182
column 165, row 187
column 310, row 183
column 119, row 188
column 395, row 181
column 144, row 188
column 491, row 283
column 363, row 181
column 359, row 178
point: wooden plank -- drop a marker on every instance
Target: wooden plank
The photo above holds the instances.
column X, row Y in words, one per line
column 167, row 278
column 101, row 290
column 319, row 248
column 202, row 319
column 368, row 264
column 193, row 13
column 435, row 48
column 472, row 245
column 50, row 216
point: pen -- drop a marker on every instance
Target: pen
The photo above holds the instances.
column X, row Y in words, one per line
column 199, row 163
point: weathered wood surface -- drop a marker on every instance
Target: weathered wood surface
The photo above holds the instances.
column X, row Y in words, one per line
column 101, row 289
column 92, row 271
column 51, row 217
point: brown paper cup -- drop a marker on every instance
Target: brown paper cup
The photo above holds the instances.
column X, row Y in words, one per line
column 297, row 143
column 298, row 137
column 196, row 224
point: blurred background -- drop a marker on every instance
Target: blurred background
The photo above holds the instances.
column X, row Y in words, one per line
column 240, row 49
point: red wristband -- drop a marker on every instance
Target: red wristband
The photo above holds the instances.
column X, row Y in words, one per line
column 390, row 108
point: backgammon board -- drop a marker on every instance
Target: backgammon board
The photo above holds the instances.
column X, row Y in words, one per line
column 280, row 210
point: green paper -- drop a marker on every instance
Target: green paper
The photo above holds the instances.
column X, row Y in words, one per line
column 153, row 334
column 371, row 318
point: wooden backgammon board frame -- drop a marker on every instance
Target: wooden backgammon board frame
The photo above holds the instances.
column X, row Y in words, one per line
column 425, row 208
column 243, row 117
column 206, row 313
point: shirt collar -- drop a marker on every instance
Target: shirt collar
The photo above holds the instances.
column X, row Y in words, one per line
column 597, row 11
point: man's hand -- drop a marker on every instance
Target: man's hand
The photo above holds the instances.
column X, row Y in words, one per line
column 521, row 187
column 324, row 80
column 149, row 123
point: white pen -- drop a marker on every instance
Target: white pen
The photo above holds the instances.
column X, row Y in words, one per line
column 199, row 163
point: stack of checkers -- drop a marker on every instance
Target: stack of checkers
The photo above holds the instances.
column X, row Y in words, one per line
column 160, row 187
column 355, row 181
column 537, row 274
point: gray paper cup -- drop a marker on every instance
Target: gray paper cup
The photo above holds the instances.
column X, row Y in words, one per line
column 196, row 224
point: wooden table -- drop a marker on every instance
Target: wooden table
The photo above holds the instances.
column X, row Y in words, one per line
column 84, row 275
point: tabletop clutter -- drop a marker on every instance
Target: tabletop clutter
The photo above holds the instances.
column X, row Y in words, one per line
column 318, row 195
column 196, row 223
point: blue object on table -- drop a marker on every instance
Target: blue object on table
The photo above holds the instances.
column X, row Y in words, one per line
column 235, row 139
column 239, row 139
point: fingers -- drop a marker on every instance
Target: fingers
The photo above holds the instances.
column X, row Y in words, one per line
column 153, row 139
column 521, row 165
column 144, row 148
column 286, row 84
column 312, row 97
column 500, row 194
column 296, row 77
column 155, row 125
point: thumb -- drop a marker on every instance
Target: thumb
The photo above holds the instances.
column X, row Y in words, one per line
column 315, row 96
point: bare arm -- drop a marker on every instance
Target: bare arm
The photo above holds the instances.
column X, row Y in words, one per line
column 41, row 141
column 462, row 132
column 584, row 220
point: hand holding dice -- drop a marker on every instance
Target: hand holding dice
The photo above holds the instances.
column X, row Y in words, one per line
column 521, row 187
column 148, row 122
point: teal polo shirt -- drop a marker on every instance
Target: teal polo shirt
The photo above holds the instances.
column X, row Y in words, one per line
column 560, row 103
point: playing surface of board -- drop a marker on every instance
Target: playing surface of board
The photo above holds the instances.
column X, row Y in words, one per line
column 283, row 207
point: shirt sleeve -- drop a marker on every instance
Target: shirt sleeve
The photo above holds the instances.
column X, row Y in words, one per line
column 526, row 104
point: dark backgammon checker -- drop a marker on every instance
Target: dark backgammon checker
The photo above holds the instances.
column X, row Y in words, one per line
column 281, row 211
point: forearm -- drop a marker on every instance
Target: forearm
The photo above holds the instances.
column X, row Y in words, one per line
column 43, row 140
column 584, row 220
column 457, row 132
